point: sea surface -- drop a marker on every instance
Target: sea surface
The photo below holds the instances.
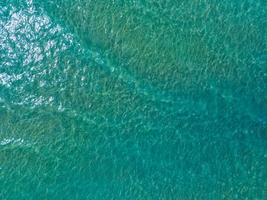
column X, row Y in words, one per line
column 133, row 99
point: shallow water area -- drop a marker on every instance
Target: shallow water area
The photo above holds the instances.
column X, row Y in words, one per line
column 133, row 99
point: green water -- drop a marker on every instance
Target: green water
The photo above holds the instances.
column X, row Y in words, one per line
column 133, row 99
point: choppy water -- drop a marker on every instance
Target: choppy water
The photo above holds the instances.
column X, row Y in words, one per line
column 133, row 99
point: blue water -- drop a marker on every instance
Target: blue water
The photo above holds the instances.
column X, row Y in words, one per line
column 133, row 99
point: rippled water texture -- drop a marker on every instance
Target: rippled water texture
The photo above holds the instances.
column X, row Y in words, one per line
column 135, row 99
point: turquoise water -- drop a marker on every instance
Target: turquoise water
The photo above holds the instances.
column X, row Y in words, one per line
column 135, row 99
